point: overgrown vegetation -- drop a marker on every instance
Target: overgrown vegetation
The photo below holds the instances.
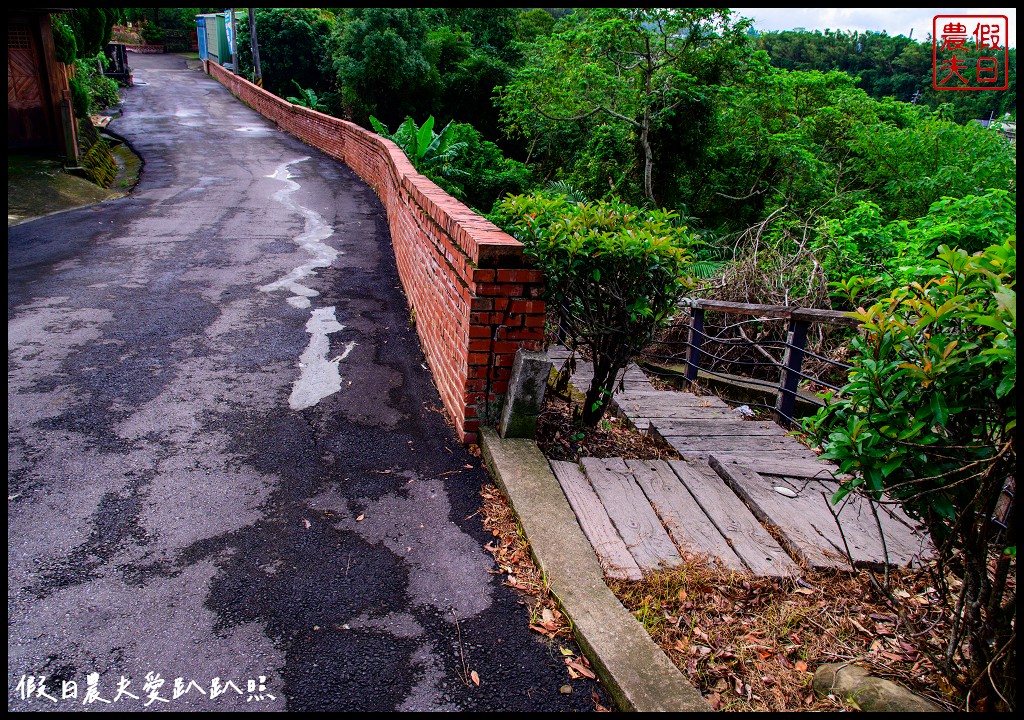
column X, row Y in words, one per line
column 887, row 66
column 616, row 272
column 79, row 36
column 928, row 420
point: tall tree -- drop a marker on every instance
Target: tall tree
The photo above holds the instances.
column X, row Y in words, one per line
column 630, row 67
column 293, row 46
column 381, row 66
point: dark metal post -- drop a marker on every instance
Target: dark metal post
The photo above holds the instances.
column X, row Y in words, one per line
column 789, row 378
column 693, row 343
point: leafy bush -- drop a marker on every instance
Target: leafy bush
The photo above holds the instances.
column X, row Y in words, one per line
column 862, row 243
column 91, row 91
column 64, row 43
column 152, row 33
column 929, row 418
column 307, row 98
column 433, row 154
column 615, row 272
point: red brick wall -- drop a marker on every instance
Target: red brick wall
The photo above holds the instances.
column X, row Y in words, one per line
column 475, row 299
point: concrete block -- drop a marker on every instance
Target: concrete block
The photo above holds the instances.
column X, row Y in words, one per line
column 525, row 395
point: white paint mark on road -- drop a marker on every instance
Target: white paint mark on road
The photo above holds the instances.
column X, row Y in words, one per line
column 315, row 230
column 320, row 376
column 348, row 349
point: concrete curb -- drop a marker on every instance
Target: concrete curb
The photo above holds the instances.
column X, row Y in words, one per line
column 634, row 670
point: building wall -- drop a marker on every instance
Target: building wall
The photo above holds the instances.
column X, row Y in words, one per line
column 474, row 298
column 36, row 84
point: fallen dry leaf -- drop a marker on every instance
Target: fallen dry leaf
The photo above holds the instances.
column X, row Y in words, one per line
column 800, row 665
column 584, row 671
column 474, row 677
column 360, row 518
column 542, row 630
column 860, row 627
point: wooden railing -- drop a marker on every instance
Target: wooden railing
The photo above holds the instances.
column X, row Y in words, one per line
column 698, row 360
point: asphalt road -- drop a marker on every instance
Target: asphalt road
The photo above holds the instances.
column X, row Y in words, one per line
column 229, row 472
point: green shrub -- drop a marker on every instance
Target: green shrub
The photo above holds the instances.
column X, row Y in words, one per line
column 929, row 418
column 615, row 272
column 91, row 91
column 431, row 153
column 306, row 98
column 152, row 33
column 64, row 43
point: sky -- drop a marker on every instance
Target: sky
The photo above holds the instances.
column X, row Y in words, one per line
column 895, row 21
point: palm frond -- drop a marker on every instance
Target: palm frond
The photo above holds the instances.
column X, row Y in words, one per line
column 561, row 187
column 704, row 269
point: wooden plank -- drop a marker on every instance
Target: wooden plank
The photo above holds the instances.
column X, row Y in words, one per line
column 751, row 542
column 631, row 513
column 614, row 557
column 635, row 379
column 798, row 519
column 717, row 426
column 902, row 545
column 829, row 317
column 792, row 465
column 768, row 311
column 680, row 413
column 749, row 444
column 689, row 526
column 669, row 399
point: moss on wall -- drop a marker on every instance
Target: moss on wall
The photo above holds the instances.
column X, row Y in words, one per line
column 95, row 156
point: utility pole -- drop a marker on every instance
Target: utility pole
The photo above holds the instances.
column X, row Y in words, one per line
column 258, row 79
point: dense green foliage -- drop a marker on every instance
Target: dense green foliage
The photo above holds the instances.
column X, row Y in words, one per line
column 293, row 45
column 890, row 253
column 430, row 152
column 80, row 35
column 929, row 418
column 381, row 66
column 90, row 27
column 91, row 91
column 607, row 78
column 614, row 271
column 897, row 67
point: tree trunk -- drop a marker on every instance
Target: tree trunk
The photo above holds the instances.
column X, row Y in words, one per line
column 599, row 395
column 648, row 160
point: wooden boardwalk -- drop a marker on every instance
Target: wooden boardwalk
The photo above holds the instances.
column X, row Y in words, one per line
column 738, row 479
